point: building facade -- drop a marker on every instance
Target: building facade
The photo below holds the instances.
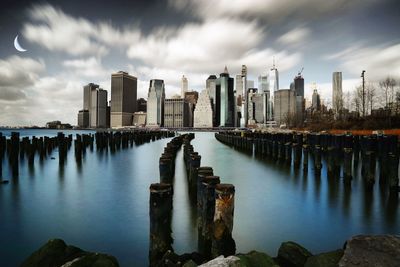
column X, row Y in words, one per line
column 203, row 114
column 123, row 99
column 273, row 81
column 337, row 94
column 83, row 118
column 98, row 109
column 225, row 100
column 284, row 106
column 176, row 113
column 155, row 103
column 141, row 105
column 316, row 101
column 184, row 86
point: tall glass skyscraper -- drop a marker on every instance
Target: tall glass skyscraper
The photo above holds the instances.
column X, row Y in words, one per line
column 273, row 87
column 225, row 100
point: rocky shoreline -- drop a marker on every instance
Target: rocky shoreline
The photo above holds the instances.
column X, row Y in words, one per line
column 360, row 250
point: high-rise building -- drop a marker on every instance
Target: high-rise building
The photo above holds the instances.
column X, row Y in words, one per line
column 243, row 87
column 184, row 86
column 155, row 103
column 176, row 113
column 87, row 92
column 258, row 103
column 191, row 98
column 141, row 105
column 337, row 94
column 123, row 98
column 83, row 118
column 284, row 106
column 316, row 101
column 273, row 87
column 211, row 84
column 203, row 114
column 251, row 106
column 263, row 84
column 300, row 102
column 225, row 100
column 98, row 109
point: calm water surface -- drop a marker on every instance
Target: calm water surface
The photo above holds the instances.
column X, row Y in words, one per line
column 103, row 205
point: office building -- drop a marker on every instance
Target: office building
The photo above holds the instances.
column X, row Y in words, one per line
column 225, row 106
column 155, row 103
column 263, row 84
column 258, row 104
column 284, row 106
column 123, row 99
column 203, row 114
column 191, row 98
column 316, row 101
column 300, row 102
column 139, row 118
column 98, row 109
column 273, row 81
column 141, row 105
column 250, row 106
column 83, row 118
column 184, row 86
column 176, row 113
column 337, row 94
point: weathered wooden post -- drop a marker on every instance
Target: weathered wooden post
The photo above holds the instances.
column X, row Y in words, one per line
column 317, row 158
column 14, row 153
column 393, row 172
column 207, row 215
column 160, row 221
column 305, row 157
column 195, row 161
column 165, row 169
column 222, row 241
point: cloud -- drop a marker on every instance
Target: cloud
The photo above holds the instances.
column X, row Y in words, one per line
column 295, row 37
column 87, row 67
column 270, row 10
column 197, row 47
column 56, row 31
column 17, row 73
column 378, row 61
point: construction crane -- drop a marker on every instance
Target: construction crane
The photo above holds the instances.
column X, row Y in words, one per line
column 301, row 71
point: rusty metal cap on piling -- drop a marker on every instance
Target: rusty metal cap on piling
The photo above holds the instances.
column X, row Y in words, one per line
column 225, row 189
column 211, row 180
column 160, row 188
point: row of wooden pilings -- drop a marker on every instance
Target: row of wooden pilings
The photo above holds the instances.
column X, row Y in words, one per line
column 338, row 150
column 215, row 205
column 17, row 148
column 161, row 195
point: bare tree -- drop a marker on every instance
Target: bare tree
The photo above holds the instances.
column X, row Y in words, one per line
column 356, row 99
column 371, row 93
column 347, row 100
column 388, row 85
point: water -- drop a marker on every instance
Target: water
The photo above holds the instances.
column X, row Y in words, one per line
column 103, row 206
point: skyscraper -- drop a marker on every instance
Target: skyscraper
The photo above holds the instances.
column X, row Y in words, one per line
column 176, row 113
column 155, row 103
column 244, row 116
column 225, row 100
column 316, row 101
column 184, row 86
column 250, row 106
column 284, row 106
column 123, row 98
column 203, row 115
column 300, row 103
column 211, row 84
column 273, row 87
column 263, row 84
column 337, row 94
column 98, row 109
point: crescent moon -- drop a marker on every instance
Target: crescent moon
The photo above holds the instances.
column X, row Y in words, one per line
column 17, row 46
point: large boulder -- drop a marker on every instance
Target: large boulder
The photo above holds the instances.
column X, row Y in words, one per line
column 328, row 259
column 56, row 253
column 256, row 259
column 291, row 254
column 372, row 251
column 231, row 261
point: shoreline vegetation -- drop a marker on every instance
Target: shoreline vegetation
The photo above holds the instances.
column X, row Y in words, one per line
column 360, row 250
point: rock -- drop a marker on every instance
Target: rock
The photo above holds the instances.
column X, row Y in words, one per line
column 291, row 254
column 231, row 261
column 190, row 263
column 194, row 256
column 368, row 251
column 256, row 259
column 56, row 253
column 328, row 259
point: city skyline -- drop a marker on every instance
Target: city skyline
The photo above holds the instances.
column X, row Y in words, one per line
column 72, row 44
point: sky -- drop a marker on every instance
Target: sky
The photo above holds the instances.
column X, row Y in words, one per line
column 71, row 43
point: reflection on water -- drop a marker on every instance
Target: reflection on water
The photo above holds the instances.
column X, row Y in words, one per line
column 101, row 202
